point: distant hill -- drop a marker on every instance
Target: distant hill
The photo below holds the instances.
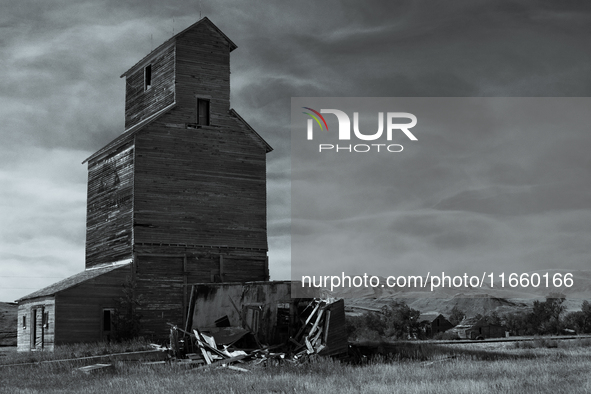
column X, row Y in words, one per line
column 482, row 304
column 8, row 317
column 482, row 300
column 580, row 289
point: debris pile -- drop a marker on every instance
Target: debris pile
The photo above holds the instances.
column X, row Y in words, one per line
column 228, row 346
column 312, row 337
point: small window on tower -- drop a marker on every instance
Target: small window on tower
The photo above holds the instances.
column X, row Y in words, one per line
column 203, row 112
column 24, row 322
column 147, row 77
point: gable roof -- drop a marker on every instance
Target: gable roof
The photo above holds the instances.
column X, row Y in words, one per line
column 72, row 281
column 171, row 40
column 429, row 316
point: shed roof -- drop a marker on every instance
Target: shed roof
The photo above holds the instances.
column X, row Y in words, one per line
column 72, row 281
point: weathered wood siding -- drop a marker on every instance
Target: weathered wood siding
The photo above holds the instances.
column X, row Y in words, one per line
column 45, row 333
column 202, row 70
column 141, row 104
column 160, row 289
column 199, row 187
column 337, row 342
column 109, row 207
column 164, row 275
column 79, row 309
column 204, row 264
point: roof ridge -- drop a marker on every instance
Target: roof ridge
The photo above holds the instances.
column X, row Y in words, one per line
column 231, row 44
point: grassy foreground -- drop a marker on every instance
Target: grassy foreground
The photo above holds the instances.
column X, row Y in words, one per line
column 474, row 369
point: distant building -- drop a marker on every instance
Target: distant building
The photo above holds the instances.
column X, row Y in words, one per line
column 178, row 198
column 432, row 323
column 473, row 328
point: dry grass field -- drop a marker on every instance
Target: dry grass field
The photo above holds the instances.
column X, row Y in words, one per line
column 539, row 367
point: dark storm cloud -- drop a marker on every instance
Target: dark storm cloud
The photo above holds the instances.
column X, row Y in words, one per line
column 420, row 49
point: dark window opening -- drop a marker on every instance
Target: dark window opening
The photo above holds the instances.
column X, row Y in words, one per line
column 202, row 112
column 24, row 322
column 107, row 320
column 34, row 334
column 282, row 332
column 147, row 77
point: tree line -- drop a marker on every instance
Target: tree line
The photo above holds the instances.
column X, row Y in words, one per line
column 399, row 321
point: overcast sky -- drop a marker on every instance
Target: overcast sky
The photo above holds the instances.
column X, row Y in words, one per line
column 495, row 185
column 62, row 98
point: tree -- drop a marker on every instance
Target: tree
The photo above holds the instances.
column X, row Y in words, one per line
column 456, row 315
column 401, row 320
column 586, row 311
column 518, row 323
column 126, row 319
column 493, row 319
column 554, row 305
column 545, row 316
column 575, row 321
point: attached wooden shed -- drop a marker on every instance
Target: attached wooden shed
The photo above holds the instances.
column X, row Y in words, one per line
column 76, row 309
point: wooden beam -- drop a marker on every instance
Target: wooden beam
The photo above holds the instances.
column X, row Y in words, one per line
column 185, row 273
column 191, row 309
column 160, row 254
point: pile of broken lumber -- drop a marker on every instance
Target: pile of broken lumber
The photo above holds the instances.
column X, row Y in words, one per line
column 312, row 337
column 209, row 355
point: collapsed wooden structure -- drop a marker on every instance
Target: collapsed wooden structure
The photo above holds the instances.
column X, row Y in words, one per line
column 292, row 330
column 267, row 310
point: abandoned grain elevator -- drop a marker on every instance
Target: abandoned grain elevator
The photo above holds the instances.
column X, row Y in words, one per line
column 178, row 198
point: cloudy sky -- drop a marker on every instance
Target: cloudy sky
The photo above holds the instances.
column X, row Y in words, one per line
column 492, row 184
column 62, row 98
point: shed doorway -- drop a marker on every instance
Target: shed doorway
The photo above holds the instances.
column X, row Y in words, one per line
column 39, row 320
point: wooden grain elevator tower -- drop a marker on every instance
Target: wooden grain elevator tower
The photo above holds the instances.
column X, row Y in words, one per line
column 178, row 198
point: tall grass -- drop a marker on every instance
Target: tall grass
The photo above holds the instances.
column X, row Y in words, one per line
column 77, row 350
column 542, row 370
